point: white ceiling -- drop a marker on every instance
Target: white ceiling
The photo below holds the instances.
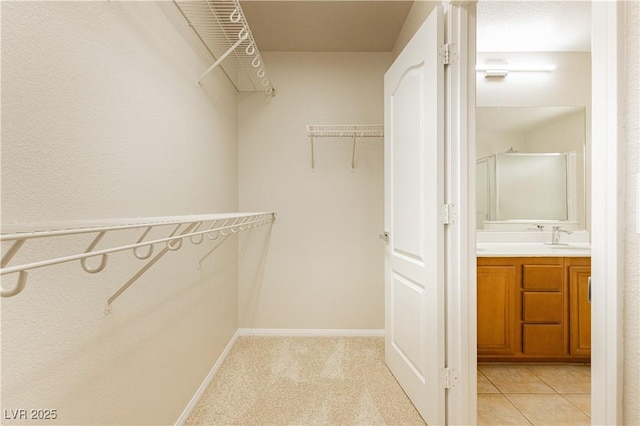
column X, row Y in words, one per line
column 373, row 26
column 534, row 26
column 325, row 26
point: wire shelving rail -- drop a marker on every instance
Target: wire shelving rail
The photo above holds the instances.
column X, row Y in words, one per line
column 223, row 29
column 350, row 131
column 194, row 227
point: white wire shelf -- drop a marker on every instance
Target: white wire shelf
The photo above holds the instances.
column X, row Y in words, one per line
column 223, row 29
column 350, row 131
column 346, row 130
column 195, row 227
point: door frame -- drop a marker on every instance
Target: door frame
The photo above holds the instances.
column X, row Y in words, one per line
column 460, row 236
column 607, row 209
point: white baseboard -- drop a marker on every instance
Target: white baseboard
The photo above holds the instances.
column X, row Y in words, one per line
column 286, row 332
column 207, row 381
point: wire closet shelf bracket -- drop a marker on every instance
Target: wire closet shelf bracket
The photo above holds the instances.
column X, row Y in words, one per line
column 195, row 228
column 350, row 131
column 222, row 27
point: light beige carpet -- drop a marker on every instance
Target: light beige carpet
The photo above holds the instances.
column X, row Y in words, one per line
column 305, row 381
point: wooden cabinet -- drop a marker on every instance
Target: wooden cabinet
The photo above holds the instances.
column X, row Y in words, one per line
column 544, row 316
column 533, row 309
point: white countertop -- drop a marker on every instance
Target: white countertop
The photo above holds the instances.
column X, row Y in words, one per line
column 533, row 250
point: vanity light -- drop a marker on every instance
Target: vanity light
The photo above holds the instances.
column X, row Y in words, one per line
column 503, row 69
column 496, row 73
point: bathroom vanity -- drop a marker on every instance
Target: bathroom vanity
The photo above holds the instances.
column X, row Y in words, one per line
column 533, row 303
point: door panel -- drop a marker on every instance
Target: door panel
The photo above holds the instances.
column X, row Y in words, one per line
column 414, row 188
column 407, row 294
column 407, row 223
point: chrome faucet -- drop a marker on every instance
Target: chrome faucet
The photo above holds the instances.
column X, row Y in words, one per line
column 555, row 235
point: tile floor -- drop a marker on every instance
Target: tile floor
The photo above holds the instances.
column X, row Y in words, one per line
column 534, row 394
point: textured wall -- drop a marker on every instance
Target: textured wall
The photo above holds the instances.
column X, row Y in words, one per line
column 324, row 264
column 632, row 234
column 102, row 118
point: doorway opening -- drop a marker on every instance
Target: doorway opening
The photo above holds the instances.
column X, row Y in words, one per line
column 533, row 192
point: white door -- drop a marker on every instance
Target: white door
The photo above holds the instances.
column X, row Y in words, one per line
column 414, row 194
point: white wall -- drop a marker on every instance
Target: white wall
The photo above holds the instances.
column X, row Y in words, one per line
column 419, row 11
column 563, row 134
column 102, row 118
column 568, row 85
column 631, row 309
column 323, row 266
column 489, row 143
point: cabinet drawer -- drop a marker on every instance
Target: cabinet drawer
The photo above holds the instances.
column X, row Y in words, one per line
column 542, row 339
column 542, row 277
column 542, row 307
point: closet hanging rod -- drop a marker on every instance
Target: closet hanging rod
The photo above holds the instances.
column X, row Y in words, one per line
column 94, row 253
column 53, row 229
column 189, row 226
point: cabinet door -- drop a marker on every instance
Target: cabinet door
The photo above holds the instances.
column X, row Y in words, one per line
column 496, row 309
column 580, row 310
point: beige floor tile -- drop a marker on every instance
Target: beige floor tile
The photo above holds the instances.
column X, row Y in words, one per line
column 565, row 378
column 581, row 400
column 509, row 378
column 495, row 409
column 484, row 385
column 548, row 410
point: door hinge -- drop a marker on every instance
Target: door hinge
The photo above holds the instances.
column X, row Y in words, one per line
column 447, row 53
column 448, row 214
column 448, row 378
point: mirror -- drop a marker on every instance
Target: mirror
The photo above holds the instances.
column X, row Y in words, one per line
column 530, row 166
